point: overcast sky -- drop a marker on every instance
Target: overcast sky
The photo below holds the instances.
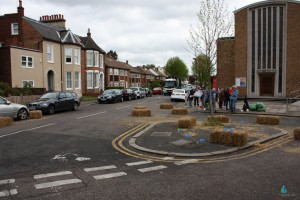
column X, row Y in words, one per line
column 140, row 31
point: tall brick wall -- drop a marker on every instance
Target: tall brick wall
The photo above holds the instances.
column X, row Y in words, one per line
column 5, row 33
column 240, row 52
column 293, row 48
column 5, row 70
column 225, row 62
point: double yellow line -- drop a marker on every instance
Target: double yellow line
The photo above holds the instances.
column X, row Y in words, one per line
column 117, row 143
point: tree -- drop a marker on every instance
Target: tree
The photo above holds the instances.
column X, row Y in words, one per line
column 201, row 71
column 113, row 54
column 214, row 22
column 175, row 67
column 150, row 66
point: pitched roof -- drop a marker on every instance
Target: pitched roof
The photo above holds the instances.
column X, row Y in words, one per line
column 53, row 33
column 144, row 70
column 110, row 62
column 89, row 43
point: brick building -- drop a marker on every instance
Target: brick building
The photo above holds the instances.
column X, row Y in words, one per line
column 263, row 59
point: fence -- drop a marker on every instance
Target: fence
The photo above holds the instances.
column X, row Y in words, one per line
column 22, row 99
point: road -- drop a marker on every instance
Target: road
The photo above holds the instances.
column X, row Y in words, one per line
column 70, row 155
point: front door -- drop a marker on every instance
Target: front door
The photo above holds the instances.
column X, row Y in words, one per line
column 267, row 84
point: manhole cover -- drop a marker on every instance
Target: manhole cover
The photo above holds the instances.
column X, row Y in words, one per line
column 161, row 134
column 181, row 142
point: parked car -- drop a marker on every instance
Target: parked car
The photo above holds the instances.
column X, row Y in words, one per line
column 52, row 102
column 148, row 92
column 13, row 110
column 157, row 90
column 179, row 94
column 140, row 92
column 129, row 94
column 110, row 95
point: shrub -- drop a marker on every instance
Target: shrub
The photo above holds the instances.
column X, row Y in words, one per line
column 35, row 114
column 265, row 119
column 237, row 138
column 5, row 121
column 141, row 112
column 220, row 118
column 179, row 111
column 297, row 134
column 187, row 122
column 166, row 106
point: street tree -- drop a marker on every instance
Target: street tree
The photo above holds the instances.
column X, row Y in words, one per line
column 113, row 54
column 175, row 67
column 201, row 70
column 213, row 21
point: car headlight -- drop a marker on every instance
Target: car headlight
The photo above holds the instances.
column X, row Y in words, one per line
column 43, row 104
column 109, row 97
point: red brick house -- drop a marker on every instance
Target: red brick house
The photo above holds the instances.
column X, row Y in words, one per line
column 92, row 66
column 263, row 58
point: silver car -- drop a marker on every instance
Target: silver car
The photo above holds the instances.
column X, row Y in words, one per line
column 16, row 111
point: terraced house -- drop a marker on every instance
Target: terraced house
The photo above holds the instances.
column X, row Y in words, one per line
column 42, row 53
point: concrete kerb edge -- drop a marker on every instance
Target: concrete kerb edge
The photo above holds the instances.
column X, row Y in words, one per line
column 132, row 143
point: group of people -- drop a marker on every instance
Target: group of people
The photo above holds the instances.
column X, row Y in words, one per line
column 225, row 97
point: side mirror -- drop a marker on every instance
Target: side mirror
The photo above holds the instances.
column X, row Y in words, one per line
column 8, row 103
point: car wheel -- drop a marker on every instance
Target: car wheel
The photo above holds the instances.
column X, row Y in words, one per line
column 22, row 114
column 51, row 109
column 75, row 106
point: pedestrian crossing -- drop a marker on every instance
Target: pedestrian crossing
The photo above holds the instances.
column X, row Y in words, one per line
column 62, row 179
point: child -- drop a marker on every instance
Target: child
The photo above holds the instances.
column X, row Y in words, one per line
column 246, row 105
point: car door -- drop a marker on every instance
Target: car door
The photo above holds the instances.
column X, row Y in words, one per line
column 6, row 109
column 69, row 100
column 61, row 102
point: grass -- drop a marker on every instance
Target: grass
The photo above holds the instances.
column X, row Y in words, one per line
column 88, row 98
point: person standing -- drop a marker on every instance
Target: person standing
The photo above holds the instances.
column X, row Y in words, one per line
column 233, row 98
column 191, row 96
column 226, row 98
column 221, row 98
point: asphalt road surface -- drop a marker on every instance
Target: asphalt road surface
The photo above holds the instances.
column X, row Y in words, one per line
column 69, row 155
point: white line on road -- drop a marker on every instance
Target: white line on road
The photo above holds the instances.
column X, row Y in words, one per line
column 26, row 130
column 113, row 175
column 123, row 107
column 6, row 193
column 142, row 102
column 57, row 183
column 7, row 181
column 99, row 168
column 183, row 162
column 51, row 174
column 152, row 168
column 139, row 163
column 91, row 115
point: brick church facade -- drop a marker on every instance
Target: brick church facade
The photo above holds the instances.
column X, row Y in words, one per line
column 263, row 59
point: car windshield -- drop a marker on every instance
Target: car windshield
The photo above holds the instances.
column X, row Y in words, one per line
column 156, row 88
column 179, row 91
column 49, row 96
column 134, row 89
column 108, row 92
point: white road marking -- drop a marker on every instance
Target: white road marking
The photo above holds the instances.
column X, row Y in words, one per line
column 91, row 115
column 152, row 168
column 183, row 162
column 142, row 102
column 123, row 107
column 113, row 175
column 7, row 193
column 7, row 181
column 99, row 168
column 26, row 130
column 52, row 174
column 57, row 183
column 82, row 159
column 139, row 163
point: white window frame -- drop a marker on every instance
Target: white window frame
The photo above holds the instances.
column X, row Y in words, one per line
column 89, row 58
column 28, row 81
column 69, row 81
column 96, row 59
column 126, row 73
column 116, row 72
column 101, row 61
column 111, row 71
column 50, row 55
column 97, row 77
column 77, row 56
column 121, row 72
column 122, row 83
column 27, row 62
column 68, row 54
column 77, row 80
column 14, row 29
column 92, row 80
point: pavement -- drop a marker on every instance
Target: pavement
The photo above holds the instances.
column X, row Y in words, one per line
column 165, row 139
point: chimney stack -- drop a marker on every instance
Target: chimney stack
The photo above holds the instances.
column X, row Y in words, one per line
column 20, row 9
column 127, row 62
column 89, row 33
column 54, row 20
